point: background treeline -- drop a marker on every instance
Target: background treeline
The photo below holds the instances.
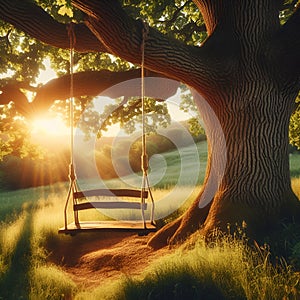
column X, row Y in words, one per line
column 17, row 173
column 111, row 154
column 107, row 154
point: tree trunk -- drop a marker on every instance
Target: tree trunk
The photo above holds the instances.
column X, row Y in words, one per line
column 254, row 192
column 256, row 182
column 252, row 93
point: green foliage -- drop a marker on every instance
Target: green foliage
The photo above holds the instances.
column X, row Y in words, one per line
column 129, row 115
column 287, row 9
column 187, row 105
column 178, row 19
column 17, row 173
column 294, row 132
column 21, row 56
column 61, row 10
column 15, row 135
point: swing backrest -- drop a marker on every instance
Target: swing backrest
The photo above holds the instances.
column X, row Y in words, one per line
column 129, row 193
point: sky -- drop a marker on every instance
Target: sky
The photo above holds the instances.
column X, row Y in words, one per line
column 54, row 127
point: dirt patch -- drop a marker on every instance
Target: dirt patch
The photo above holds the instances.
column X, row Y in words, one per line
column 105, row 256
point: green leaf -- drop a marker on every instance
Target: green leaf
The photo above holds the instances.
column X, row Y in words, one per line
column 64, row 10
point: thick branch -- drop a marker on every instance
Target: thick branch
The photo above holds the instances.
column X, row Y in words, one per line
column 11, row 92
column 91, row 83
column 32, row 19
column 123, row 36
column 210, row 13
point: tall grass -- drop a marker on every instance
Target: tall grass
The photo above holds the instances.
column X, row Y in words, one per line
column 47, row 281
column 15, row 202
column 14, row 283
column 296, row 185
column 229, row 270
column 9, row 236
column 50, row 282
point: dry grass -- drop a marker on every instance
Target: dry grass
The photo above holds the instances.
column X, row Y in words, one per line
column 9, row 236
column 296, row 186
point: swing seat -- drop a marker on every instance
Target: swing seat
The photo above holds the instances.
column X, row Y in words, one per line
column 79, row 197
column 140, row 227
column 107, row 226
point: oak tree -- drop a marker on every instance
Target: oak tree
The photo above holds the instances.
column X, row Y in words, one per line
column 239, row 55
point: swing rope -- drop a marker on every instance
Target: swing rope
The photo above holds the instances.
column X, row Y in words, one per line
column 72, row 40
column 144, row 155
column 144, row 158
column 72, row 174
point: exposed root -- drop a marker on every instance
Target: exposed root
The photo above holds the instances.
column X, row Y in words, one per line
column 178, row 230
column 161, row 238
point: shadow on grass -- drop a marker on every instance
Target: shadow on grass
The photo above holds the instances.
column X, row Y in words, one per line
column 15, row 283
column 182, row 284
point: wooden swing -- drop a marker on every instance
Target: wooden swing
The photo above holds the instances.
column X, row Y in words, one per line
column 78, row 198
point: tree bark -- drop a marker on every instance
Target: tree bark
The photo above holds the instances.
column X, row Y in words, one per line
column 254, row 108
column 254, row 192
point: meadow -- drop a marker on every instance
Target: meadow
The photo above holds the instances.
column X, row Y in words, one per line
column 231, row 269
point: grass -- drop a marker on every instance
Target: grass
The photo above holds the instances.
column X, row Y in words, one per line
column 295, row 165
column 49, row 282
column 14, row 281
column 10, row 234
column 296, row 185
column 230, row 270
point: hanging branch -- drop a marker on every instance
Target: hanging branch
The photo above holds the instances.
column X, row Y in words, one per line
column 90, row 83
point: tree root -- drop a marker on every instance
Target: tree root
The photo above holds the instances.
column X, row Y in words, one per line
column 178, row 230
column 162, row 237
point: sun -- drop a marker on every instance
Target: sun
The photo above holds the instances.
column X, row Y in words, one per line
column 49, row 126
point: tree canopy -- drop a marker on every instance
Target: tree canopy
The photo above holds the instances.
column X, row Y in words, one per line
column 24, row 50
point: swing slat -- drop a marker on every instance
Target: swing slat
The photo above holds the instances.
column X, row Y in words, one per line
column 111, row 193
column 109, row 205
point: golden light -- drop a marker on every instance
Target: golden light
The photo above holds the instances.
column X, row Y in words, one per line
column 49, row 126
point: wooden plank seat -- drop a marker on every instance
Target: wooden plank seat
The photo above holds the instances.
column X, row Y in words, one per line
column 111, row 193
column 141, row 227
column 110, row 204
column 86, row 226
